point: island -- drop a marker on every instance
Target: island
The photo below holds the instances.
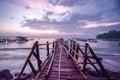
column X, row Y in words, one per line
column 112, row 35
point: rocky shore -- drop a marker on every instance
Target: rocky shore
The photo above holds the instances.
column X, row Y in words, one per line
column 6, row 75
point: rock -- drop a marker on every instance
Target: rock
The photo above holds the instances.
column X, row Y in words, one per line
column 16, row 74
column 5, row 75
column 24, row 76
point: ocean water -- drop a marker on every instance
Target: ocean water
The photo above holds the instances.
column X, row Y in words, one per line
column 13, row 55
column 109, row 51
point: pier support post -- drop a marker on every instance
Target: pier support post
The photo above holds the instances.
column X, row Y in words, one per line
column 53, row 46
column 85, row 58
column 77, row 50
column 71, row 47
column 38, row 56
column 47, row 48
column 74, row 45
column 67, row 45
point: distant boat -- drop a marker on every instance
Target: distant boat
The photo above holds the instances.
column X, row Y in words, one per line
column 2, row 40
column 92, row 40
column 21, row 39
column 83, row 40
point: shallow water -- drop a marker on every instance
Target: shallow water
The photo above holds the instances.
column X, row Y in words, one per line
column 13, row 55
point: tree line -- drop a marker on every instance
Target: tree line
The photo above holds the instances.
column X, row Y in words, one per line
column 111, row 35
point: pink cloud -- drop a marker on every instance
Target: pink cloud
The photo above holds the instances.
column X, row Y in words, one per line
column 36, row 3
column 45, row 5
column 93, row 25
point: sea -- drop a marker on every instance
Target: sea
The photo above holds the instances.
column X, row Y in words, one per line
column 13, row 55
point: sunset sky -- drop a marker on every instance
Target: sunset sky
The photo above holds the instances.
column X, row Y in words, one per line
column 58, row 18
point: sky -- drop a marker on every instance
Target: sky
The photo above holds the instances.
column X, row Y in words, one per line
column 58, row 18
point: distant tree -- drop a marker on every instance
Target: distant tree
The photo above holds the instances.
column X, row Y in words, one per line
column 112, row 34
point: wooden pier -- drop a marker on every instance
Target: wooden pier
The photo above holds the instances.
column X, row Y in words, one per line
column 67, row 60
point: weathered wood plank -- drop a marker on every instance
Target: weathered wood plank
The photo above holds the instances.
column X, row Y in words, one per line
column 61, row 65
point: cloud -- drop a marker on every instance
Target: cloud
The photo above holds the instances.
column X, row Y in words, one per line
column 27, row 6
column 64, row 16
column 81, row 10
column 45, row 5
column 95, row 25
column 63, row 22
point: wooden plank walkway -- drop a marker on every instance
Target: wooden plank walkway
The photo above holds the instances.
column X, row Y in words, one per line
column 66, row 61
column 60, row 67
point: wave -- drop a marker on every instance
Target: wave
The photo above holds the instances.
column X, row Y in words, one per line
column 116, row 54
column 14, row 49
column 2, row 49
column 12, row 58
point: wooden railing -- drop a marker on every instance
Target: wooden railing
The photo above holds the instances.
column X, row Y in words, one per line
column 36, row 54
column 87, row 55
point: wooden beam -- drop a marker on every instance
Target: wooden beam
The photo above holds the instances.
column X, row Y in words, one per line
column 60, row 56
column 38, row 56
column 47, row 48
column 43, row 44
column 85, row 58
column 77, row 51
column 104, row 73
column 32, row 67
column 43, row 65
column 32, row 50
column 49, row 67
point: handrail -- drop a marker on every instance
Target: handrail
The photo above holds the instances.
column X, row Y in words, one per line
column 73, row 50
column 44, row 44
column 76, row 64
column 49, row 68
column 104, row 73
column 59, row 67
column 35, row 52
column 32, row 50
column 43, row 65
column 51, row 61
column 85, row 57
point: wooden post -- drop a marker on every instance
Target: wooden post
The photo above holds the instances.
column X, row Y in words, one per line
column 38, row 56
column 32, row 67
column 71, row 47
column 27, row 60
column 73, row 53
column 53, row 46
column 77, row 50
column 47, row 48
column 66, row 45
column 90, row 61
column 85, row 58
column 104, row 73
